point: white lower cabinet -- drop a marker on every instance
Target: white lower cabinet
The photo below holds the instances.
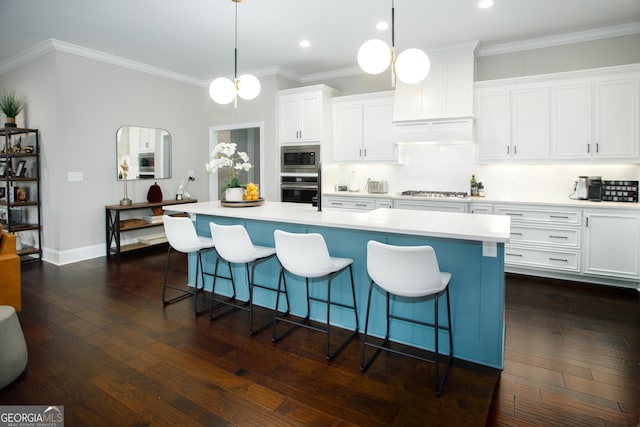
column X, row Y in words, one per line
column 612, row 243
column 542, row 238
column 481, row 208
column 541, row 258
column 355, row 202
column 426, row 205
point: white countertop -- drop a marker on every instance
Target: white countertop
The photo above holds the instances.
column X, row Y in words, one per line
column 520, row 199
column 462, row 226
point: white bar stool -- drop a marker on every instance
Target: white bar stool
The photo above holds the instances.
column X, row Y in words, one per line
column 182, row 237
column 234, row 246
column 307, row 256
column 411, row 272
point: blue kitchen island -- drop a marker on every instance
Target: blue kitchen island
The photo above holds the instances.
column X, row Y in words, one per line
column 470, row 246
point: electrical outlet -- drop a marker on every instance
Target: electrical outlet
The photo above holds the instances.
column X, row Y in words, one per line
column 74, row 176
column 490, row 249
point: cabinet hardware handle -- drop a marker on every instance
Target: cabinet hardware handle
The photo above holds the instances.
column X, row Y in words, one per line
column 559, row 216
column 558, row 237
column 514, row 214
column 507, row 149
column 558, row 259
column 597, row 147
column 336, row 203
column 516, row 234
column 365, row 152
column 587, row 221
column 514, row 254
column 515, row 150
column 588, row 148
column 360, row 153
column 361, row 204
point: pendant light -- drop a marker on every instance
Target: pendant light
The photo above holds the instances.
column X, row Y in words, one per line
column 375, row 56
column 222, row 90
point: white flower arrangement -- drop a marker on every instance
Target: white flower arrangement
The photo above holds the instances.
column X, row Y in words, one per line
column 224, row 155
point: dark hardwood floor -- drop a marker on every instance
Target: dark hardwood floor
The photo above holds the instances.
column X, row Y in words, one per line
column 572, row 356
column 101, row 344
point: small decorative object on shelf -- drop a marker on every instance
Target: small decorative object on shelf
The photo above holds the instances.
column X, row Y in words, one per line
column 125, row 201
column 11, row 106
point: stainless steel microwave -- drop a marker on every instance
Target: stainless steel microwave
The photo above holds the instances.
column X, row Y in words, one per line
column 299, row 158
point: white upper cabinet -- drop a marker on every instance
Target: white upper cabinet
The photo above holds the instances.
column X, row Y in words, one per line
column 446, row 92
column 362, row 128
column 512, row 123
column 493, row 124
column 616, row 118
column 304, row 114
column 571, row 121
column 590, row 115
column 597, row 119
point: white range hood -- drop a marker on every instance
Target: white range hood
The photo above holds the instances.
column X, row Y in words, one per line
column 458, row 129
column 440, row 108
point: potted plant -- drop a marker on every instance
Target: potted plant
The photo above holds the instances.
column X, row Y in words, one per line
column 11, row 106
column 224, row 155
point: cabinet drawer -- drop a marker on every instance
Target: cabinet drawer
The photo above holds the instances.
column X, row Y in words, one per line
column 557, row 237
column 344, row 203
column 540, row 258
column 430, row 206
column 385, row 203
column 524, row 214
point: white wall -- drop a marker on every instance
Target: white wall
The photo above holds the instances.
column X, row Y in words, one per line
column 78, row 104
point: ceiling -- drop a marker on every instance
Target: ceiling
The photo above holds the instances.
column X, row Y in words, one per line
column 194, row 38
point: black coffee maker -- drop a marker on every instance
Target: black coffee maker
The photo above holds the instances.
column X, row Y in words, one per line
column 594, row 188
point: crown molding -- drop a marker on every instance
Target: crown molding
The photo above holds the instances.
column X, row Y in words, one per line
column 561, row 39
column 124, row 62
column 335, row 74
column 28, row 55
column 51, row 45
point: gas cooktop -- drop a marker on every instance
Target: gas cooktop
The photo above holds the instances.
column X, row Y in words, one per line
column 435, row 194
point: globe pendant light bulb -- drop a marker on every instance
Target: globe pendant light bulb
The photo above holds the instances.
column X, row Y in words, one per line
column 374, row 56
column 222, row 90
column 248, row 86
column 412, row 66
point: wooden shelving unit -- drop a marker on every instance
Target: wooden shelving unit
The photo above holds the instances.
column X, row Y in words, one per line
column 20, row 198
column 115, row 225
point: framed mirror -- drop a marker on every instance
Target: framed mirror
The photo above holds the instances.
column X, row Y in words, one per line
column 147, row 152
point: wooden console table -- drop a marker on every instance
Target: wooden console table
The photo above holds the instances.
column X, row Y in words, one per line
column 115, row 226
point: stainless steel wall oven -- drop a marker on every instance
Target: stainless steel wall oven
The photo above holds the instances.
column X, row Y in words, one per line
column 299, row 189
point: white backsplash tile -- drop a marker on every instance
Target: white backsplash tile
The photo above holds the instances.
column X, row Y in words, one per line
column 448, row 167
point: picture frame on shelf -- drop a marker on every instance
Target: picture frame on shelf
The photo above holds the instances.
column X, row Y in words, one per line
column 21, row 169
column 3, row 168
column 21, row 194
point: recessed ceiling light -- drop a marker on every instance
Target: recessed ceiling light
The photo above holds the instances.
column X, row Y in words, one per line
column 484, row 4
column 304, row 43
column 382, row 25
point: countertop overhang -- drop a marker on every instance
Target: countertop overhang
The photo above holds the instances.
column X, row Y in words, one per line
column 462, row 226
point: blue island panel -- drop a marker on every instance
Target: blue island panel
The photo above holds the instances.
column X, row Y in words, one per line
column 476, row 287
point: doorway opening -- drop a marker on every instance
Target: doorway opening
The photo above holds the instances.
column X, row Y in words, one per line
column 249, row 138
